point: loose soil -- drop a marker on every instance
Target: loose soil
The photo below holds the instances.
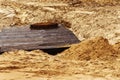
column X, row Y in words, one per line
column 95, row 58
column 98, row 48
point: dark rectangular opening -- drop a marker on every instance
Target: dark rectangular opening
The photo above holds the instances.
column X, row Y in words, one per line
column 54, row 51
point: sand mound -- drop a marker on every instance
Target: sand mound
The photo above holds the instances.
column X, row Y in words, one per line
column 97, row 48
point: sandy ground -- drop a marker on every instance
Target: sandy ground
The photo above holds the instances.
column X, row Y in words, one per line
column 95, row 58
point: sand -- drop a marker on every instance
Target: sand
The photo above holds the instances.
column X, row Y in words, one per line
column 91, row 59
column 97, row 48
column 95, row 22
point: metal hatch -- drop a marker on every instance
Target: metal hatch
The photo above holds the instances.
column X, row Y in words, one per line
column 36, row 36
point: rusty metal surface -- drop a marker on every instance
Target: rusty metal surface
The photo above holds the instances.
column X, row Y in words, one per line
column 29, row 39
